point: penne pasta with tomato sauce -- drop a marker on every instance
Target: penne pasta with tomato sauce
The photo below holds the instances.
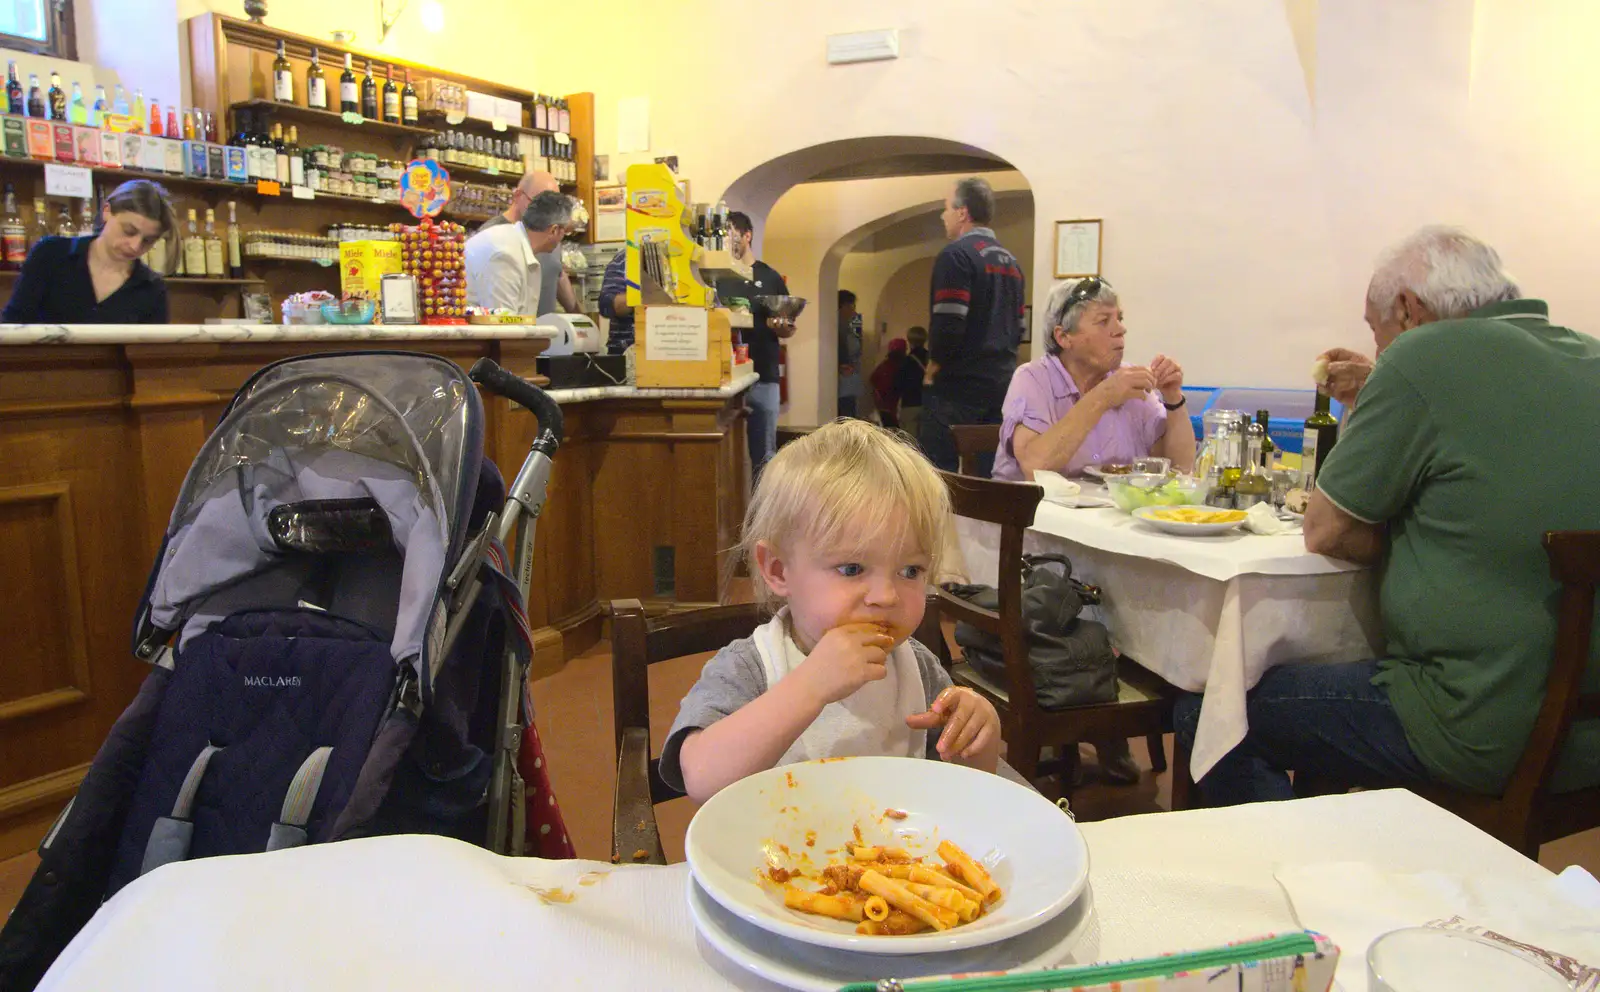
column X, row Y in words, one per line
column 887, row 892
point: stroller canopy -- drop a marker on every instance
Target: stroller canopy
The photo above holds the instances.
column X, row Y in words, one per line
column 402, row 432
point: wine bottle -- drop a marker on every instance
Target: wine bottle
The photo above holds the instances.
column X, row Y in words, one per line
column 214, row 256
column 369, row 95
column 57, row 98
column 349, row 91
column 391, row 98
column 282, row 76
column 281, row 155
column 1321, row 434
column 15, row 103
column 297, row 163
column 316, row 83
column 64, row 228
column 1268, row 448
column 194, row 249
column 41, row 223
column 235, row 262
column 15, row 236
column 541, row 113
column 408, row 102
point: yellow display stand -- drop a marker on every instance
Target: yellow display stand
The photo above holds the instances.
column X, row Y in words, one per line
column 681, row 339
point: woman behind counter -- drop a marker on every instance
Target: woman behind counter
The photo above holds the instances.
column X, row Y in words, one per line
column 100, row 279
column 1078, row 405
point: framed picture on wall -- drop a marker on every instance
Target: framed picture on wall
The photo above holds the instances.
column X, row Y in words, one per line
column 1078, row 248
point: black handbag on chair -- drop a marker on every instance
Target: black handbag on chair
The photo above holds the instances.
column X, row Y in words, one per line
column 1071, row 657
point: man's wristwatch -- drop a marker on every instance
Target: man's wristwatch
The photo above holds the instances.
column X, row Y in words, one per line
column 1175, row 406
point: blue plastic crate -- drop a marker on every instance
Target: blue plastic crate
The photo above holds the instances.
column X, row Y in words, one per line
column 1287, row 410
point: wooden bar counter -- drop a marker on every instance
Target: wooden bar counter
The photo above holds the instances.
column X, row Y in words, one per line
column 98, row 427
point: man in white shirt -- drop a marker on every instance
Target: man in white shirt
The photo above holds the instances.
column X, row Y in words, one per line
column 554, row 284
column 502, row 262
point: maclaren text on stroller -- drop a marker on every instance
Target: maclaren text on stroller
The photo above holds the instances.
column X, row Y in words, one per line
column 337, row 645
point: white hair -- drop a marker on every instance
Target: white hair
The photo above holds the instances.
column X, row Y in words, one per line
column 1058, row 314
column 1449, row 270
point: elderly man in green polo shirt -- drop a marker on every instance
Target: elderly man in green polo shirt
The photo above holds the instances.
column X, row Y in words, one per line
column 1473, row 433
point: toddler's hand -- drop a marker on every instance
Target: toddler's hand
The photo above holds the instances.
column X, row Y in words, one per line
column 971, row 725
column 844, row 660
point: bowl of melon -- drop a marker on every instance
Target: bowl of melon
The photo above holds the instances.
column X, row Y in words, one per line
column 1136, row 490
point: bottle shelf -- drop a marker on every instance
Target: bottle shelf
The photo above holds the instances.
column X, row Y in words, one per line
column 438, row 122
column 473, row 172
column 294, row 111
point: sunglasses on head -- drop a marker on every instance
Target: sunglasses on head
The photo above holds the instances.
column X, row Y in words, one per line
column 1085, row 291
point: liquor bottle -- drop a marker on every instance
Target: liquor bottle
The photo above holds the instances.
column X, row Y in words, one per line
column 64, row 228
column 566, row 117
column 156, row 257
column 36, row 107
column 194, row 249
column 391, row 99
column 281, row 153
column 14, row 235
column 86, row 224
column 77, row 109
column 1268, row 449
column 349, row 92
column 214, row 256
column 119, row 102
column 101, row 107
column 369, row 95
column 235, row 262
column 408, row 102
column 139, row 114
column 172, row 121
column 213, row 134
column 57, row 98
column 316, row 83
column 188, row 127
column 1322, row 433
column 282, row 77
column 40, row 228
column 541, row 113
column 297, row 162
column 15, row 104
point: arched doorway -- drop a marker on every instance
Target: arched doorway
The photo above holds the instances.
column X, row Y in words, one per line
column 813, row 207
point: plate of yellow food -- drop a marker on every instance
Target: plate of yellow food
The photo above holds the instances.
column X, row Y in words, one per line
column 1191, row 520
column 887, row 855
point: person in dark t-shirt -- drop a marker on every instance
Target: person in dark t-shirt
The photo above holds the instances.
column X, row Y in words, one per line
column 762, row 337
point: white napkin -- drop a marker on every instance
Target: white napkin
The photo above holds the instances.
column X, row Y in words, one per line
column 1055, row 485
column 1263, row 519
column 1355, row 903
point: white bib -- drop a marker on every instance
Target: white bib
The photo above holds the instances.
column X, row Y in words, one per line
column 869, row 722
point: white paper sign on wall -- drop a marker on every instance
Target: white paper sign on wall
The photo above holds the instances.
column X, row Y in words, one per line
column 68, row 180
column 676, row 334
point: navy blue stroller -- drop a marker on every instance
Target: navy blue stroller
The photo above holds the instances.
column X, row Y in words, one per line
column 336, row 646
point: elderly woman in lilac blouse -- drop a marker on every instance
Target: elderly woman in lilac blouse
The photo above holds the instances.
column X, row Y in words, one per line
column 1079, row 405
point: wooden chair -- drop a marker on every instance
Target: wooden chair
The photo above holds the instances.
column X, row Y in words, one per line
column 1527, row 815
column 1143, row 707
column 787, row 434
column 636, row 644
column 973, row 440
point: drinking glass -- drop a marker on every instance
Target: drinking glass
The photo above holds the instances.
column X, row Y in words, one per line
column 1425, row 959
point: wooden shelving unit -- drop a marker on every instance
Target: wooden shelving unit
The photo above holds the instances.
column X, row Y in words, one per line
column 437, row 121
column 297, row 112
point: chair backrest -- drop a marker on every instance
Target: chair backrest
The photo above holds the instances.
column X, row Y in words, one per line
column 638, row 642
column 973, row 440
column 1575, row 563
column 1012, row 506
column 787, row 434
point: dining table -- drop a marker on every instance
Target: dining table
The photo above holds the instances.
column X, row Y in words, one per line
column 1209, row 614
column 426, row 913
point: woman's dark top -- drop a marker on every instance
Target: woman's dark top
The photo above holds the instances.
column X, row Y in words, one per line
column 55, row 288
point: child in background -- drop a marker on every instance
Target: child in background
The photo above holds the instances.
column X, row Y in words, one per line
column 843, row 531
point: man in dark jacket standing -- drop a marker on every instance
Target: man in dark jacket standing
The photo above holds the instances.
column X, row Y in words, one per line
column 976, row 326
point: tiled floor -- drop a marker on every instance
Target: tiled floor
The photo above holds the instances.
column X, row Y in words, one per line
column 574, row 712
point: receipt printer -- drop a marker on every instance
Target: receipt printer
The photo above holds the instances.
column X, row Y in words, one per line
column 575, row 334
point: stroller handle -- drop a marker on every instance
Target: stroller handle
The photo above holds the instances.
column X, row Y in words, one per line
column 486, row 373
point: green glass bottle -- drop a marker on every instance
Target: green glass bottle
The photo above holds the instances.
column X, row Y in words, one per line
column 1321, row 433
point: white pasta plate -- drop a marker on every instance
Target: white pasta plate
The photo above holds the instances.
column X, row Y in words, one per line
column 1152, row 515
column 802, row 817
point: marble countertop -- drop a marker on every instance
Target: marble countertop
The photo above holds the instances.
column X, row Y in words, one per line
column 22, row 334
column 737, row 385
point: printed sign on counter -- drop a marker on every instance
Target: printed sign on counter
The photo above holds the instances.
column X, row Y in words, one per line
column 676, row 334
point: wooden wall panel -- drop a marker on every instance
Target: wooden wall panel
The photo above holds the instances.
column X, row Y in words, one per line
column 47, row 656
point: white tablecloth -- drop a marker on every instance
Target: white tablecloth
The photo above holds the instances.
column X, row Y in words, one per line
column 401, row 913
column 1209, row 613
